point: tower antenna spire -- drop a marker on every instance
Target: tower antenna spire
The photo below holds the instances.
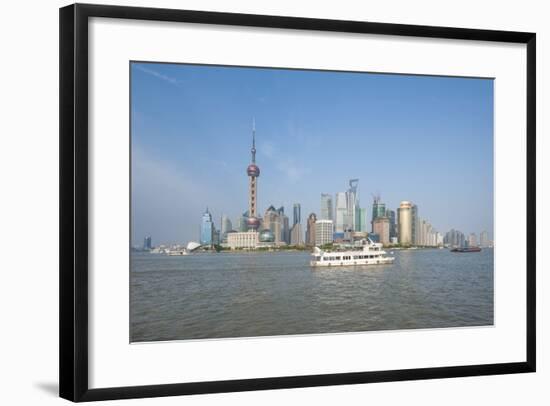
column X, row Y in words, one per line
column 253, row 140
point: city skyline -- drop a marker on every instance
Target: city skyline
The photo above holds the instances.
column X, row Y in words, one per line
column 171, row 190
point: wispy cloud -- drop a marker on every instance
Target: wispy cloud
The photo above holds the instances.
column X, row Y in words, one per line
column 287, row 165
column 159, row 75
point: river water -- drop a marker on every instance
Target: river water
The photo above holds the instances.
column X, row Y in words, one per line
column 216, row 295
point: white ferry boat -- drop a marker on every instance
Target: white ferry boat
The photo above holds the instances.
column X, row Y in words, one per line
column 369, row 253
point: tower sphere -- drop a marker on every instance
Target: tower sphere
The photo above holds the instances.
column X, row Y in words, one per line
column 253, row 170
column 253, row 223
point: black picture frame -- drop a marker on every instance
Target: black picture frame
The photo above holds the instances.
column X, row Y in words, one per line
column 73, row 254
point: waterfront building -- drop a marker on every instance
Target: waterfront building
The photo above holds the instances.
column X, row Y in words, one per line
column 323, row 232
column 390, row 214
column 147, row 243
column 381, row 227
column 207, row 228
column 341, row 212
column 484, row 239
column 296, row 214
column 247, row 239
column 378, row 210
column 404, row 219
column 454, row 238
column 216, row 238
column 360, row 219
column 272, row 222
column 296, row 235
column 253, row 172
column 415, row 224
column 285, row 226
column 310, row 230
column 266, row 236
column 241, row 222
column 225, row 226
column 327, row 208
column 472, row 240
column 352, row 204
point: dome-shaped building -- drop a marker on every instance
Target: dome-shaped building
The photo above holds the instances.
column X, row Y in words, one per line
column 266, row 235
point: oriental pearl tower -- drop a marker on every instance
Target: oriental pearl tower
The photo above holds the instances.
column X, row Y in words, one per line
column 253, row 171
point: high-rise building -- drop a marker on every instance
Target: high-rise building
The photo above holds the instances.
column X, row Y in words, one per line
column 404, row 218
column 360, row 219
column 427, row 235
column 341, row 212
column 225, row 226
column 272, row 221
column 352, row 203
column 390, row 214
column 296, row 235
column 415, row 221
column 327, row 209
column 381, row 227
column 207, row 228
column 484, row 239
column 285, row 227
column 310, row 230
column 323, row 232
column 472, row 240
column 454, row 238
column 253, row 172
column 378, row 210
column 297, row 216
column 147, row 244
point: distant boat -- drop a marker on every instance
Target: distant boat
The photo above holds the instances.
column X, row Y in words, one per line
column 466, row 249
column 178, row 252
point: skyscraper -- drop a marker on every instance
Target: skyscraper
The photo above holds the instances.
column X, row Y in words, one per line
column 360, row 219
column 272, row 222
column 472, row 240
column 296, row 235
column 207, row 228
column 310, row 230
column 147, row 245
column 352, row 203
column 484, row 239
column 285, row 227
column 404, row 218
column 390, row 214
column 253, row 172
column 327, row 209
column 381, row 227
column 454, row 238
column 378, row 210
column 415, row 224
column 225, row 226
column 296, row 218
column 341, row 212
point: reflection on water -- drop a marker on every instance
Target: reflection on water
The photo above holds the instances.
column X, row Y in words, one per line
column 259, row 294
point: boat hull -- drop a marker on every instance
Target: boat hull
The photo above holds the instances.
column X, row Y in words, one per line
column 474, row 249
column 358, row 262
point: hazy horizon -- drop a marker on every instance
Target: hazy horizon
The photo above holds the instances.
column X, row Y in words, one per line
column 425, row 139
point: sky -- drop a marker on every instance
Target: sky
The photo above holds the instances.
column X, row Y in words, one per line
column 424, row 139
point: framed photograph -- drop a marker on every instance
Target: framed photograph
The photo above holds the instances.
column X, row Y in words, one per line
column 256, row 202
